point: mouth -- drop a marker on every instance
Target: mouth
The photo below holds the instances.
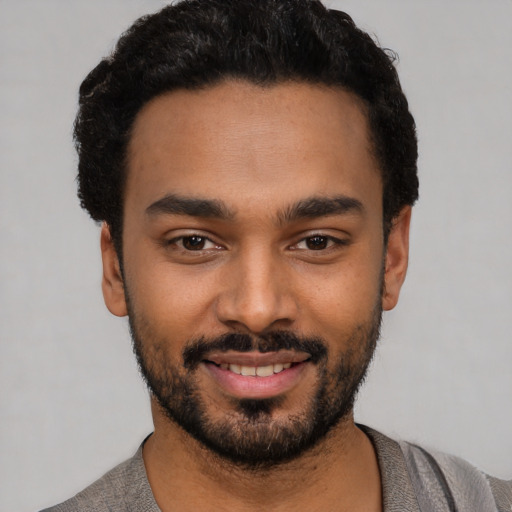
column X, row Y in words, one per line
column 256, row 375
column 256, row 371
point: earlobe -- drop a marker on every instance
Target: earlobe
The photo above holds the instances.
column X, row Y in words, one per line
column 397, row 258
column 112, row 283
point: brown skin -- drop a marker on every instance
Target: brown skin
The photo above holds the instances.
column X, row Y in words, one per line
column 258, row 150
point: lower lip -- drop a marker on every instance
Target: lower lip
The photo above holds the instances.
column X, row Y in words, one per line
column 241, row 386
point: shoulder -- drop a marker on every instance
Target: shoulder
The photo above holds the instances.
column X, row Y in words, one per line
column 428, row 480
column 466, row 487
column 124, row 488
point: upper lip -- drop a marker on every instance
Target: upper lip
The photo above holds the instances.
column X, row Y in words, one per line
column 256, row 358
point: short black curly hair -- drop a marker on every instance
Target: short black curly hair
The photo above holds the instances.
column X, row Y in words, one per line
column 198, row 43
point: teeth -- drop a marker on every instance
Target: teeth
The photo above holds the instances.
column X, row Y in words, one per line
column 235, row 368
column 260, row 371
column 265, row 371
column 248, row 370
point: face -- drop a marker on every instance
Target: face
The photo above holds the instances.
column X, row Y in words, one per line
column 254, row 267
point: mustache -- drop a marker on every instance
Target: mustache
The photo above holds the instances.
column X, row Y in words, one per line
column 196, row 350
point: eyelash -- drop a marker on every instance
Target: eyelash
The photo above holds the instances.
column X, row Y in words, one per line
column 181, row 239
column 330, row 242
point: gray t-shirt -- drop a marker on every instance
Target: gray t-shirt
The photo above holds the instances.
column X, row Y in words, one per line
column 413, row 480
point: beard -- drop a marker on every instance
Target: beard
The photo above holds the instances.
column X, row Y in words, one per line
column 253, row 435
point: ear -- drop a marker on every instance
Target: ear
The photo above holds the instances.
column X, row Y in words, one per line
column 112, row 282
column 397, row 258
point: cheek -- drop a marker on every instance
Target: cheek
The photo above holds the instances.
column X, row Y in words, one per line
column 343, row 298
column 175, row 302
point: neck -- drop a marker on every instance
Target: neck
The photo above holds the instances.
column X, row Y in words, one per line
column 340, row 473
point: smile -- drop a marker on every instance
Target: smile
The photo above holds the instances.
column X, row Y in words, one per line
column 255, row 374
column 256, row 371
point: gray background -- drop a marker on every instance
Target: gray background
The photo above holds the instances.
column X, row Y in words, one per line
column 72, row 404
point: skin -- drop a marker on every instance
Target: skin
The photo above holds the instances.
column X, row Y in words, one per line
column 259, row 151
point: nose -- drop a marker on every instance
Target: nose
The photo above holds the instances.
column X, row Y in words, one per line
column 256, row 294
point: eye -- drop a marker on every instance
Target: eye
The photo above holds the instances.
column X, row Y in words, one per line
column 318, row 243
column 194, row 243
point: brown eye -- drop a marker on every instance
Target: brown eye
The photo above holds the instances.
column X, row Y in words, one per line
column 317, row 243
column 194, row 243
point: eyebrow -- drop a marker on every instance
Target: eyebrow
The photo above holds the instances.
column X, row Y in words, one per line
column 173, row 204
column 314, row 207
column 309, row 208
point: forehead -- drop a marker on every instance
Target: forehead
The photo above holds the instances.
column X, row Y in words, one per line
column 244, row 143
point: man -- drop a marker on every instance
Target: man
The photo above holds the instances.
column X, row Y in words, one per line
column 254, row 167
